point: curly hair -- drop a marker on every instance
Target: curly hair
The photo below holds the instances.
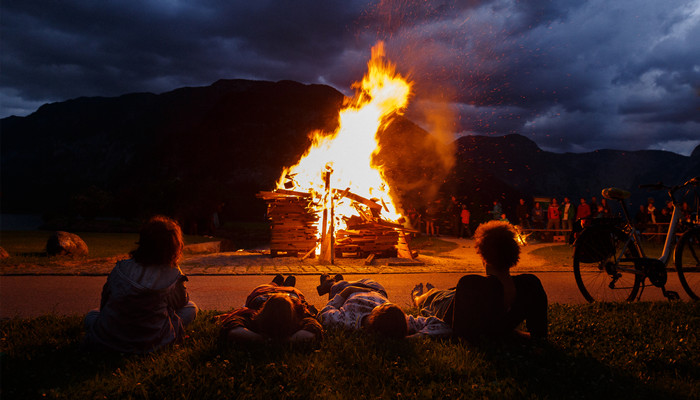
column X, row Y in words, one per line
column 496, row 242
column 160, row 243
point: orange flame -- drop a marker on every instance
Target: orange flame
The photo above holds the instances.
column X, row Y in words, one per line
column 349, row 151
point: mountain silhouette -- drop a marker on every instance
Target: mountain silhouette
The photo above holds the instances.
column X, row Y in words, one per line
column 188, row 151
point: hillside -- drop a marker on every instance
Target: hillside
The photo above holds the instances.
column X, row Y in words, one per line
column 183, row 152
column 188, row 151
column 512, row 166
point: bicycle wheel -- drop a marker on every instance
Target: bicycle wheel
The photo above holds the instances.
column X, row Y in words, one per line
column 598, row 277
column 687, row 258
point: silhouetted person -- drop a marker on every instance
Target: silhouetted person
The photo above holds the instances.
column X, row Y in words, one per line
column 641, row 219
column 567, row 214
column 144, row 304
column 490, row 306
column 523, row 214
column 538, row 214
column 553, row 215
column 465, row 216
column 431, row 219
column 497, row 210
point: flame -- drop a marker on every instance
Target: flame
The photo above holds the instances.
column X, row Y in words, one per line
column 349, row 151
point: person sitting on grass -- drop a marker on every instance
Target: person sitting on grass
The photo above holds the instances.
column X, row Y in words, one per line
column 490, row 306
column 144, row 304
column 276, row 311
column 364, row 305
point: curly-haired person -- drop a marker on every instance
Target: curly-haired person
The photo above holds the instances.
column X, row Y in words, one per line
column 491, row 306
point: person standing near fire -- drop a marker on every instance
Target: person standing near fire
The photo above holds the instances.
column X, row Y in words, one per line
column 553, row 215
column 454, row 211
column 522, row 214
column 583, row 211
column 431, row 218
column 651, row 210
column 567, row 214
column 497, row 210
column 538, row 216
column 464, row 231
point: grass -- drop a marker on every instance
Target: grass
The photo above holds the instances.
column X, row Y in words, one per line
column 29, row 247
column 563, row 254
column 559, row 254
column 432, row 246
column 625, row 351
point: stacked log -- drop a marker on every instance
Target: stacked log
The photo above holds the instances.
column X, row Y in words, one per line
column 362, row 242
column 294, row 227
column 293, row 222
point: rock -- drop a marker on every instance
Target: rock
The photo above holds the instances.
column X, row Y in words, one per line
column 3, row 254
column 68, row 244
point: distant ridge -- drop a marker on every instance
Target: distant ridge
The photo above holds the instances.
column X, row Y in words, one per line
column 187, row 151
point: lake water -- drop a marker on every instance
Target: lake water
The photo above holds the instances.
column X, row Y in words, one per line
column 20, row 222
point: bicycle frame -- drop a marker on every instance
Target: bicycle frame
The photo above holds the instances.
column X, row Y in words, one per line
column 670, row 233
column 599, row 274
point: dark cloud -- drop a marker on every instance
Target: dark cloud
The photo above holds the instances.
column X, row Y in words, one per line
column 571, row 75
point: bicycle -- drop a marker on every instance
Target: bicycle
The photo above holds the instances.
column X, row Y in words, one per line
column 609, row 260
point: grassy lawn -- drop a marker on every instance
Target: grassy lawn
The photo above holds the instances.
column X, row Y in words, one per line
column 32, row 244
column 564, row 253
column 622, row 351
column 432, row 246
column 560, row 254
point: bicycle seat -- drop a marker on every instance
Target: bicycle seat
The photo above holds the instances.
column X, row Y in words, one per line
column 615, row 194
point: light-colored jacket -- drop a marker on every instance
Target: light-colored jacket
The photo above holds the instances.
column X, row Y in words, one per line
column 137, row 309
column 348, row 314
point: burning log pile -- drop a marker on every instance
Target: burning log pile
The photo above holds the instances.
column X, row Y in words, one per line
column 311, row 213
column 294, row 225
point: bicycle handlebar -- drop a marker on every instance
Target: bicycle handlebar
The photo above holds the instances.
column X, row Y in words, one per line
column 660, row 186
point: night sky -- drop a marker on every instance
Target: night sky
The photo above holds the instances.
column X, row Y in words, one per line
column 573, row 76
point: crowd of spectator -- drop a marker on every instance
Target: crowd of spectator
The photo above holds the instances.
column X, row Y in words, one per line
column 546, row 217
column 650, row 219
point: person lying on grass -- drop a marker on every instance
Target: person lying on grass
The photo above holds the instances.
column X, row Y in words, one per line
column 144, row 304
column 490, row 306
column 364, row 305
column 275, row 311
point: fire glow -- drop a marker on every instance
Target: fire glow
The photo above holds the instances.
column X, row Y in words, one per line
column 346, row 156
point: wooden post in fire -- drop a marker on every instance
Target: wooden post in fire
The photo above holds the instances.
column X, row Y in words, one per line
column 327, row 240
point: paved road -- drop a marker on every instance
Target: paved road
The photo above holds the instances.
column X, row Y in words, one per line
column 31, row 296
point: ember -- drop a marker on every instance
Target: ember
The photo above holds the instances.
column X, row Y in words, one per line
column 337, row 182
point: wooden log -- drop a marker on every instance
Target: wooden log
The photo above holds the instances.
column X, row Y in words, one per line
column 352, row 196
column 310, row 252
column 281, row 193
column 402, row 248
